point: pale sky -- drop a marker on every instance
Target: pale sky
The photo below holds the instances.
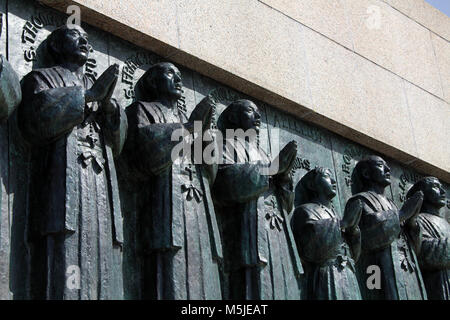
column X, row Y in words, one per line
column 442, row 5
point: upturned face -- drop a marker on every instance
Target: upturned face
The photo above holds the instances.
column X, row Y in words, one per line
column 380, row 172
column 249, row 117
column 168, row 81
column 326, row 184
column 434, row 193
column 74, row 45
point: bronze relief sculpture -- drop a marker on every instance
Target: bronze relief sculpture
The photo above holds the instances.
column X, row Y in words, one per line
column 75, row 129
column 179, row 232
column 10, row 93
column 386, row 234
column 434, row 238
column 261, row 260
column 196, row 230
column 328, row 246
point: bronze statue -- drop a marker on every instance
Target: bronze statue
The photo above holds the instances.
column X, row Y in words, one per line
column 434, row 233
column 328, row 245
column 385, row 239
column 10, row 93
column 75, row 129
column 10, row 97
column 260, row 252
column 179, row 233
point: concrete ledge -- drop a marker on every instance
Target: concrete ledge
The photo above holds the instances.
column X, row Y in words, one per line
column 261, row 52
column 425, row 14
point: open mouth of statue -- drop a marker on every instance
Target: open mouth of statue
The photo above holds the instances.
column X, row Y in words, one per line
column 84, row 49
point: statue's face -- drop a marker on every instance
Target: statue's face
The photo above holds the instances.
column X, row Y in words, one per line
column 74, row 45
column 326, row 184
column 249, row 117
column 434, row 193
column 380, row 172
column 168, row 82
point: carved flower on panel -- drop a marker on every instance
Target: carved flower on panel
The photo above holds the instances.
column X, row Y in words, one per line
column 273, row 216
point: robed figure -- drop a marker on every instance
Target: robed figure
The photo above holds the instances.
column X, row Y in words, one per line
column 254, row 199
column 434, row 235
column 10, row 97
column 178, row 228
column 10, row 92
column 75, row 130
column 385, row 236
column 329, row 246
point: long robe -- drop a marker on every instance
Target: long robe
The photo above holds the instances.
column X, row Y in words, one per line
column 328, row 254
column 179, row 234
column 10, row 97
column 75, row 221
column 260, row 251
column 10, row 93
column 434, row 255
column 386, row 243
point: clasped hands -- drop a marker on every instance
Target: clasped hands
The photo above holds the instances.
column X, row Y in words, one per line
column 103, row 88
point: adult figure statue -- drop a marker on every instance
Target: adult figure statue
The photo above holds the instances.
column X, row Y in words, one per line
column 434, row 233
column 385, row 236
column 75, row 129
column 255, row 199
column 179, row 234
column 328, row 245
column 10, row 97
column 10, row 92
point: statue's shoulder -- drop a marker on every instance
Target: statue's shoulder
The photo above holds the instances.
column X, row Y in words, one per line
column 42, row 74
column 306, row 210
column 364, row 196
column 46, row 71
column 145, row 111
column 373, row 200
column 431, row 218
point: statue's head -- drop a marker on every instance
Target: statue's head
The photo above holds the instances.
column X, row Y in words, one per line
column 161, row 80
column 316, row 182
column 434, row 194
column 240, row 114
column 372, row 170
column 69, row 44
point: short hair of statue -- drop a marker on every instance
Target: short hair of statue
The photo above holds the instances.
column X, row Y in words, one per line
column 359, row 182
column 228, row 118
column 145, row 88
column 303, row 191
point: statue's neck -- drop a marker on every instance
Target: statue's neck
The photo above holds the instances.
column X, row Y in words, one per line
column 430, row 209
column 74, row 68
column 378, row 189
column 323, row 200
column 168, row 102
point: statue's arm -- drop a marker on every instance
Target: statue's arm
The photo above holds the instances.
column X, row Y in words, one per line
column 353, row 239
column 150, row 142
column 317, row 239
column 285, row 190
column 10, row 91
column 434, row 253
column 239, row 183
column 210, row 149
column 116, row 127
column 48, row 113
column 378, row 228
